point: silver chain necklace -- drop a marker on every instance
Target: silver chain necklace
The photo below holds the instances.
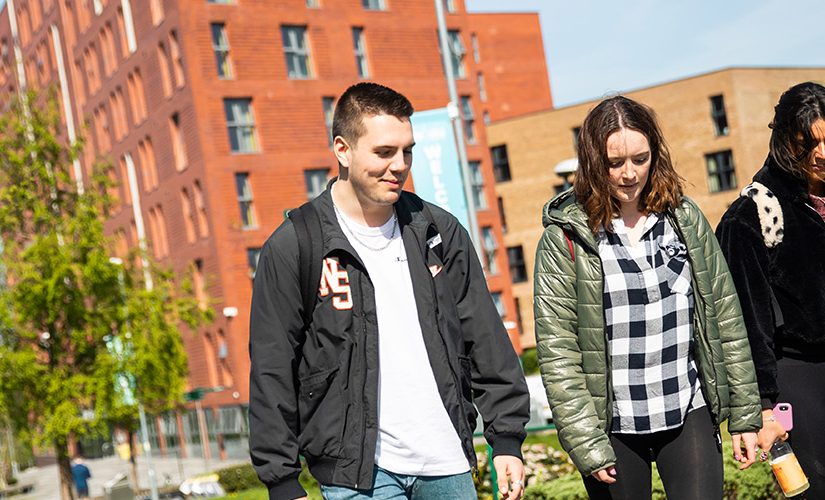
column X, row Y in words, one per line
column 354, row 235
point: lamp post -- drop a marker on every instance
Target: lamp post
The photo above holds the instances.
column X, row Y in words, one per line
column 144, row 428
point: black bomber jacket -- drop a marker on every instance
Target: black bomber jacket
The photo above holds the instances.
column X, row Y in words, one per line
column 315, row 392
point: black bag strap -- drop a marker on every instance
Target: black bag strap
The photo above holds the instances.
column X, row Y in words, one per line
column 438, row 249
column 310, row 248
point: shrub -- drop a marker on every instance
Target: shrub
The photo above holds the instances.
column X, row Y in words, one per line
column 529, row 361
column 238, row 478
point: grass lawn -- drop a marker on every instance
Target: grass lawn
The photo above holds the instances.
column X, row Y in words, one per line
column 263, row 494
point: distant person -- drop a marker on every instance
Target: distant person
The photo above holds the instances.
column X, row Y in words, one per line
column 641, row 341
column 372, row 375
column 774, row 239
column 81, row 476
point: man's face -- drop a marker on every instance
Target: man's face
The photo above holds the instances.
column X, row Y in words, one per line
column 817, row 156
column 379, row 162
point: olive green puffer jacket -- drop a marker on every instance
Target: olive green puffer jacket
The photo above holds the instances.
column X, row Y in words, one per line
column 571, row 342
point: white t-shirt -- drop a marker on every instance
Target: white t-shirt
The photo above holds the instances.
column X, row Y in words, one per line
column 415, row 434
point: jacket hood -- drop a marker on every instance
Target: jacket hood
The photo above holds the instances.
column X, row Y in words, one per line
column 783, row 184
column 564, row 211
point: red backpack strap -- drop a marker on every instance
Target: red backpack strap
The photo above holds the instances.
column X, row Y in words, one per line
column 569, row 244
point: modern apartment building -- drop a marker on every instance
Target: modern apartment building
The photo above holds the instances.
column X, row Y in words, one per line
column 222, row 110
column 716, row 125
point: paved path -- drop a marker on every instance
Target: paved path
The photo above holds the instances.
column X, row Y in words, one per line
column 172, row 470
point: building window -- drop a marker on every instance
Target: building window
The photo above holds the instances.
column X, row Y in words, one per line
column 717, row 113
column 449, row 6
column 166, row 79
column 328, row 105
column 188, row 215
column 374, row 4
column 359, row 47
column 469, row 119
column 721, row 173
column 240, row 122
column 313, row 4
column 482, row 88
column 148, row 167
column 296, row 51
column 137, row 97
column 518, row 270
column 253, row 255
column 499, row 303
column 225, row 2
column 200, row 206
column 199, row 284
column 316, row 181
column 457, row 52
column 220, row 44
column 177, row 59
column 501, row 163
column 244, row 190
column 488, row 242
column 178, row 144
column 502, row 214
column 156, row 8
column 477, row 183
column 486, row 117
column 474, row 44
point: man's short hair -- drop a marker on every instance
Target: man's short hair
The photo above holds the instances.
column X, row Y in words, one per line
column 366, row 99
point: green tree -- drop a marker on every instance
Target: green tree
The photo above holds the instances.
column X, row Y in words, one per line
column 72, row 324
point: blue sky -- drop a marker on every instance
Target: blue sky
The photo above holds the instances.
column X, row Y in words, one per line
column 597, row 47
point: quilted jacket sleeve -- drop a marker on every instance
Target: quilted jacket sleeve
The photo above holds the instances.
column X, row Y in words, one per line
column 560, row 357
column 745, row 407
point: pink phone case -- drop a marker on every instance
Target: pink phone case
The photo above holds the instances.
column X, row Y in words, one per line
column 784, row 415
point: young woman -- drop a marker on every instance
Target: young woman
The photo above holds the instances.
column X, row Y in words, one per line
column 774, row 240
column 641, row 342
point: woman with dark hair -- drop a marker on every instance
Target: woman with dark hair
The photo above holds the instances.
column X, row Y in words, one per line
column 773, row 237
column 641, row 342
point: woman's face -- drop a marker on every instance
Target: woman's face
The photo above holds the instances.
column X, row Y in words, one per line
column 816, row 172
column 628, row 156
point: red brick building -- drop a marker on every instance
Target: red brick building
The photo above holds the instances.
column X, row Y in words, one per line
column 221, row 109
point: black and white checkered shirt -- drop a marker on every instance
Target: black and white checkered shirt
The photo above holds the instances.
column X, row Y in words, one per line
column 648, row 311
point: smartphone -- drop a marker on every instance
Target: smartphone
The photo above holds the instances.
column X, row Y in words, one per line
column 784, row 415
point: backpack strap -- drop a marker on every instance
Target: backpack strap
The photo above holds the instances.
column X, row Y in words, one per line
column 569, row 244
column 437, row 246
column 307, row 225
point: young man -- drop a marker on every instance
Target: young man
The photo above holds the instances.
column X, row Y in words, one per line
column 377, row 390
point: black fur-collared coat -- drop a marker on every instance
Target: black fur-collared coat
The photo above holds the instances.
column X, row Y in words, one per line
column 774, row 242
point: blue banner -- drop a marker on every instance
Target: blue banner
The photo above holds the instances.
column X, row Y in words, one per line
column 436, row 170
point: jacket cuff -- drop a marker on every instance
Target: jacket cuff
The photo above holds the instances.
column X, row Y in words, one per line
column 768, row 403
column 288, row 489
column 508, row 445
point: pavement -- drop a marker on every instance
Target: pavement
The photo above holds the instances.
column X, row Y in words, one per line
column 168, row 471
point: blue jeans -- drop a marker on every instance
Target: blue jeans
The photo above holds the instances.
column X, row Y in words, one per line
column 388, row 485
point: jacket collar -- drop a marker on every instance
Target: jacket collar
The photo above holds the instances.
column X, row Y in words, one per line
column 407, row 209
column 784, row 185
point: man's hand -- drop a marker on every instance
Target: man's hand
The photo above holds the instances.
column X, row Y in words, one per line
column 510, row 473
column 749, row 440
column 606, row 475
column 771, row 432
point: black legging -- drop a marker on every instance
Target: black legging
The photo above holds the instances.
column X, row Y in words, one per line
column 802, row 384
column 688, row 458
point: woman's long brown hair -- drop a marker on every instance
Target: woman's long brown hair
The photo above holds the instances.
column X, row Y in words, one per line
column 664, row 189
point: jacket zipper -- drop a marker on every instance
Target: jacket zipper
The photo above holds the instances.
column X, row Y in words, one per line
column 700, row 328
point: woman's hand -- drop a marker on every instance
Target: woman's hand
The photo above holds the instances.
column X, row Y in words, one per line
column 749, row 440
column 771, row 432
column 606, row 475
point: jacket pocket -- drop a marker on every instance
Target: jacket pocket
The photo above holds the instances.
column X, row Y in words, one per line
column 320, row 410
column 470, row 412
